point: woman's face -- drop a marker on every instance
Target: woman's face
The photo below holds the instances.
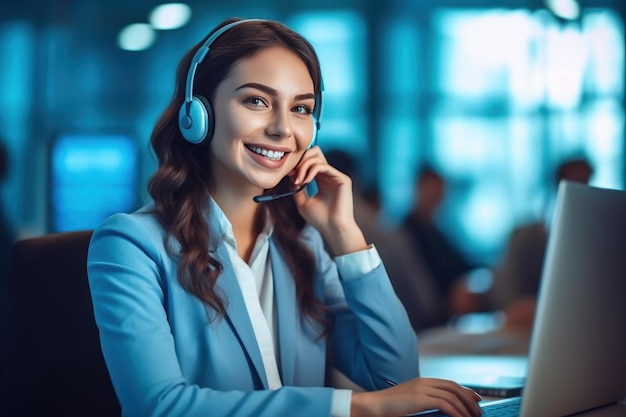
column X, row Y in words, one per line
column 263, row 121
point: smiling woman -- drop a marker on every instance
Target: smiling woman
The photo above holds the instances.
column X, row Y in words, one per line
column 208, row 302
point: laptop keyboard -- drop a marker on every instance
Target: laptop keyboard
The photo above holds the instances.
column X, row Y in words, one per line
column 504, row 409
column 507, row 408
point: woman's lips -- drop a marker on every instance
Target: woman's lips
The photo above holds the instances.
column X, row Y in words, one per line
column 266, row 157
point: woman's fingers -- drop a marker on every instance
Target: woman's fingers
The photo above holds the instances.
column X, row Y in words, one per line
column 455, row 401
column 304, row 172
column 422, row 394
column 471, row 400
column 331, row 211
column 468, row 397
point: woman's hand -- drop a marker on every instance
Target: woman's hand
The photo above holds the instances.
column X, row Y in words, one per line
column 331, row 210
column 417, row 395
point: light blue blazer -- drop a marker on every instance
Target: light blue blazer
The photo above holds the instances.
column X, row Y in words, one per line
column 167, row 358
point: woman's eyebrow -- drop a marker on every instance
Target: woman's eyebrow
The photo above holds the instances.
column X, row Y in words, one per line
column 273, row 92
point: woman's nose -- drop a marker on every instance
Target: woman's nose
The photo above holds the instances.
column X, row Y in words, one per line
column 280, row 124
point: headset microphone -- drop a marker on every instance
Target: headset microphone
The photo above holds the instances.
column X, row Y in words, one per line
column 270, row 197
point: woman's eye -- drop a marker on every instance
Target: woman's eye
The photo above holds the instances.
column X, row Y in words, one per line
column 302, row 109
column 255, row 101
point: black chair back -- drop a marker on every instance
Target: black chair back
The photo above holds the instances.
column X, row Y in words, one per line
column 52, row 362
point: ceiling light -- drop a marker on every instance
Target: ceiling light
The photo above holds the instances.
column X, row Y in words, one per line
column 170, row 16
column 136, row 37
column 565, row 9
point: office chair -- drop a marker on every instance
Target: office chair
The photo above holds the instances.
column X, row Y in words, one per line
column 52, row 362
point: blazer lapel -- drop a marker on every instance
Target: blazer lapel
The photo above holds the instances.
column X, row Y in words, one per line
column 237, row 316
column 286, row 312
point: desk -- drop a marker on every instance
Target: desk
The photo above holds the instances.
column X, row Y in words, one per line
column 474, row 357
column 451, row 353
column 462, row 357
column 474, row 352
column 466, row 368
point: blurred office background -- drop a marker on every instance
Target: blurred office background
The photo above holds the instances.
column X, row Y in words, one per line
column 494, row 94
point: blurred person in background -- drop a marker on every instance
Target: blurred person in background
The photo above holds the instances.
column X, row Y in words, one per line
column 446, row 263
column 517, row 277
column 209, row 302
column 407, row 270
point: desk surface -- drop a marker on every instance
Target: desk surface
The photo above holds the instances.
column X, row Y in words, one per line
column 472, row 357
column 463, row 357
column 466, row 368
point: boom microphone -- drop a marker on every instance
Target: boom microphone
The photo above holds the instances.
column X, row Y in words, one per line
column 311, row 189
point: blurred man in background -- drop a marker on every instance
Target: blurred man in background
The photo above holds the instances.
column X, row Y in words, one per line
column 446, row 263
column 517, row 277
column 408, row 272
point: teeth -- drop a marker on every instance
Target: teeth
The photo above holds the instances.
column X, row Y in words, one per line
column 274, row 155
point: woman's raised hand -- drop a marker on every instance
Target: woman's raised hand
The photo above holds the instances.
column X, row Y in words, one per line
column 331, row 211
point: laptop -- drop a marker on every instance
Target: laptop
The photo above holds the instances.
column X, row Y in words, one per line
column 577, row 358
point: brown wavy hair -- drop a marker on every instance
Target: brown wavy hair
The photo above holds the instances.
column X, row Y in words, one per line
column 179, row 185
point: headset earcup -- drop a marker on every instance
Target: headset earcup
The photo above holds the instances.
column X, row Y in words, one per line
column 210, row 120
column 196, row 125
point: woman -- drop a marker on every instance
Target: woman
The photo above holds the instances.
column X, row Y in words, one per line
column 209, row 303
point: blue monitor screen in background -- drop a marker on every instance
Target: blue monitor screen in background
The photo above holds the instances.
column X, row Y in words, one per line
column 92, row 177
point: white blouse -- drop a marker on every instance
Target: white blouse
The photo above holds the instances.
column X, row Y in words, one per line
column 257, row 286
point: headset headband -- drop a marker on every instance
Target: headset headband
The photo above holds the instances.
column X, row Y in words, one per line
column 202, row 52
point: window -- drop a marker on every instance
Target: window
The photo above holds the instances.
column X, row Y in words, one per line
column 339, row 39
column 508, row 94
column 93, row 176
